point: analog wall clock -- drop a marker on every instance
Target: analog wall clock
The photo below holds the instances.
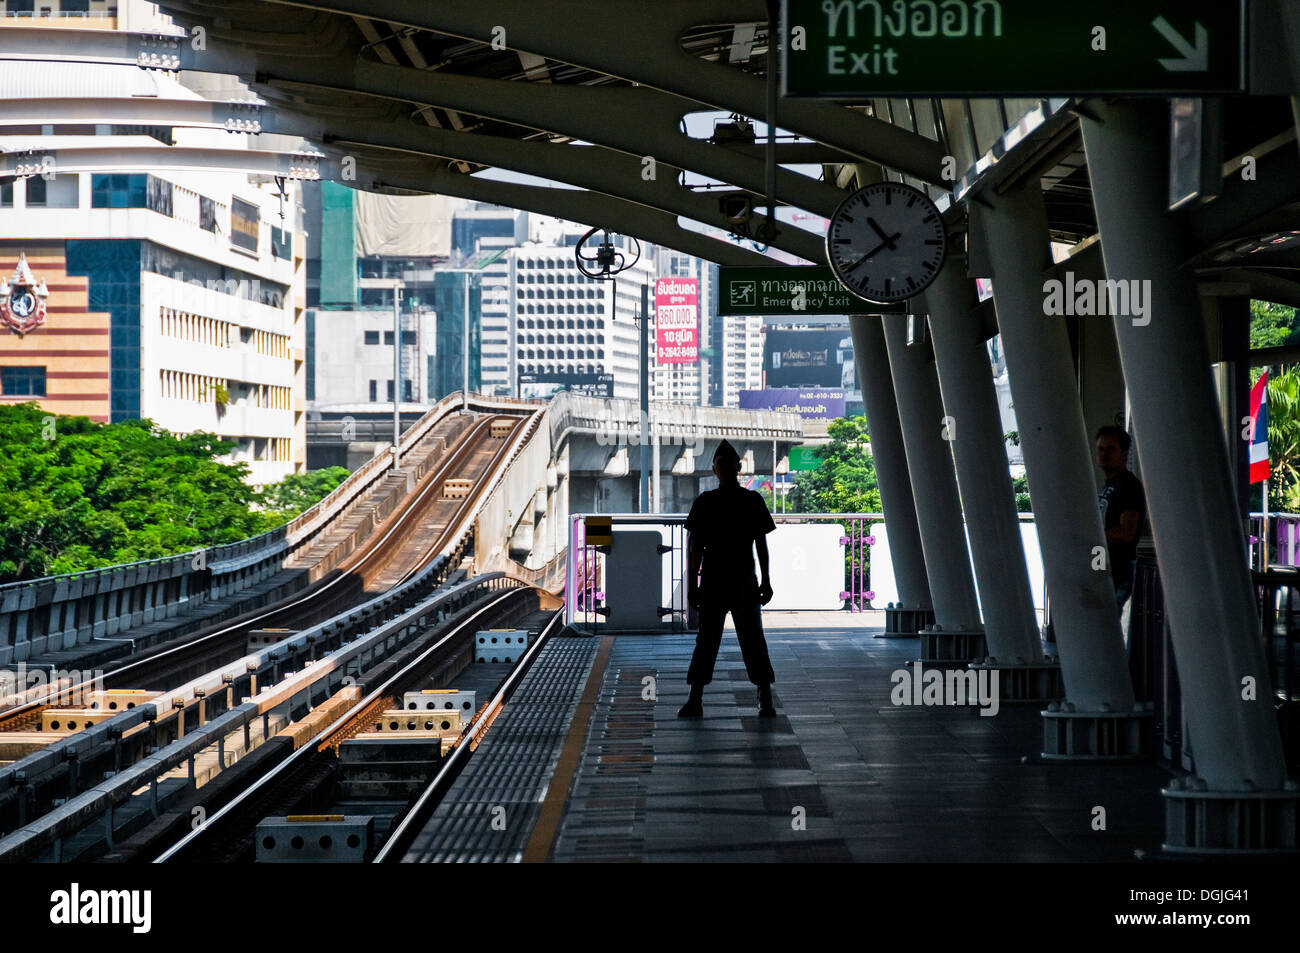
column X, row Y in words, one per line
column 886, row 242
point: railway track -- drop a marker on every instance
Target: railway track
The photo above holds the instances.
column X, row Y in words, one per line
column 421, row 540
column 304, row 791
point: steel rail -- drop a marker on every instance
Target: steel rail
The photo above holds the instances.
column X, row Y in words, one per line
column 432, row 795
column 313, row 747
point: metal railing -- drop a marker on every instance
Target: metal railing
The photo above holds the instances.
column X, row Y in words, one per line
column 1154, row 670
column 585, row 592
column 1283, row 539
column 675, row 423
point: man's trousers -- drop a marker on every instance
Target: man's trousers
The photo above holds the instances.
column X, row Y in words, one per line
column 746, row 615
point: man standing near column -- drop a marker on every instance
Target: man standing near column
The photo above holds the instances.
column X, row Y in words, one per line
column 725, row 527
column 1122, row 506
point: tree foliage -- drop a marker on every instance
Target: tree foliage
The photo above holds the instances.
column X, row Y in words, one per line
column 1271, row 324
column 1020, row 486
column 300, row 491
column 77, row 495
column 1284, row 441
column 845, row 482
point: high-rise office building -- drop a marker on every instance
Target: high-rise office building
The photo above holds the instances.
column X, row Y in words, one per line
column 361, row 245
column 572, row 331
column 741, row 347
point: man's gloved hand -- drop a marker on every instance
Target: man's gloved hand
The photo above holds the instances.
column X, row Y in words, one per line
column 693, row 596
column 765, row 592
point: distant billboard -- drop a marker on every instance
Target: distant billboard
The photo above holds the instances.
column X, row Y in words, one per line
column 677, row 320
column 245, row 223
column 545, row 386
column 810, row 403
column 805, row 357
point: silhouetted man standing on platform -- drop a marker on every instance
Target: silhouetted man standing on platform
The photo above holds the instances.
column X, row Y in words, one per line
column 725, row 526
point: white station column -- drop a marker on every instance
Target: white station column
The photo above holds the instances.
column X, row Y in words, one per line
column 1099, row 718
column 915, row 609
column 983, row 477
column 956, row 634
column 1208, row 590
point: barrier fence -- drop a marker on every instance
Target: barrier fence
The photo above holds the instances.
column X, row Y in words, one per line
column 817, row 562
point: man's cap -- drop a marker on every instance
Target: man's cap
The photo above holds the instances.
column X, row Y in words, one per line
column 726, row 451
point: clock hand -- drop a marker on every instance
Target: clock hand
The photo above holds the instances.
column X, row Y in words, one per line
column 888, row 241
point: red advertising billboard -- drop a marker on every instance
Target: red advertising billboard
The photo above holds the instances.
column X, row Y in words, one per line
column 677, row 320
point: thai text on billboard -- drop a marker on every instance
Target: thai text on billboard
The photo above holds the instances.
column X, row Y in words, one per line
column 546, row 386
column 810, row 403
column 677, row 320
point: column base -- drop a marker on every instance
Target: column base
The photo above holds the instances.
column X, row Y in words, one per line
column 1230, row 823
column 957, row 645
column 1035, row 683
column 1070, row 735
column 904, row 623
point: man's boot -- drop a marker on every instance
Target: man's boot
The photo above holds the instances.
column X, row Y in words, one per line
column 694, row 707
column 765, row 708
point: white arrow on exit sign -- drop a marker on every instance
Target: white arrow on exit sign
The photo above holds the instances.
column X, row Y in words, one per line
column 1195, row 59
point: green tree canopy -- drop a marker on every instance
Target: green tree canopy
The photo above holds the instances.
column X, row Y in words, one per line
column 845, row 482
column 300, row 491
column 77, row 495
column 1271, row 324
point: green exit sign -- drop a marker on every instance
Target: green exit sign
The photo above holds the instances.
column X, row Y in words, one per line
column 789, row 290
column 859, row 49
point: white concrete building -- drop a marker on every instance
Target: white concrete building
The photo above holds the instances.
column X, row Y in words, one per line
column 354, row 358
column 201, row 280
column 497, row 369
column 742, row 356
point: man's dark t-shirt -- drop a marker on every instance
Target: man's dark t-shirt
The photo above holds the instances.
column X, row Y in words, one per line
column 1121, row 494
column 726, row 521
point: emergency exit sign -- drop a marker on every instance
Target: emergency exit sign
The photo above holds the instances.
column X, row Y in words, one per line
column 860, row 49
column 792, row 290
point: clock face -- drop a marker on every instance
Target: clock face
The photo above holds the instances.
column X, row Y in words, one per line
column 886, row 242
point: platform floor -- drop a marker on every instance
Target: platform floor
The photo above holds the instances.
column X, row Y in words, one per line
column 841, row 775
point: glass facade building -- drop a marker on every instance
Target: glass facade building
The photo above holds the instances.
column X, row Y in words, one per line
column 457, row 299
column 113, row 267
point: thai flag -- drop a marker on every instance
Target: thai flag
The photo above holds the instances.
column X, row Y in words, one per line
column 1259, row 429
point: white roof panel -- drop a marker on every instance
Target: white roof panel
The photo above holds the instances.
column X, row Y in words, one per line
column 36, row 79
